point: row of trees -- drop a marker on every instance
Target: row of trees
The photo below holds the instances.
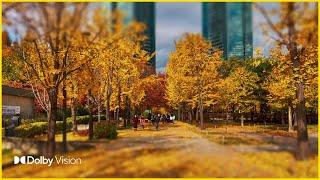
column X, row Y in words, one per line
column 287, row 79
column 68, row 51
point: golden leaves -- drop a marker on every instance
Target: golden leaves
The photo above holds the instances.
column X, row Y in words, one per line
column 192, row 71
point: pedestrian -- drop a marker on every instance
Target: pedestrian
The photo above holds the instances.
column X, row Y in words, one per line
column 153, row 118
column 163, row 118
column 173, row 118
column 168, row 118
column 157, row 120
column 149, row 116
column 142, row 122
column 135, row 122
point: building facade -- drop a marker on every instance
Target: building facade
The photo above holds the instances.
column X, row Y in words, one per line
column 17, row 101
column 228, row 26
column 143, row 12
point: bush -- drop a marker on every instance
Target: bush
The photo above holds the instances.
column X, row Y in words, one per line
column 60, row 113
column 5, row 122
column 59, row 126
column 102, row 130
column 81, row 110
column 28, row 121
column 85, row 119
column 30, row 130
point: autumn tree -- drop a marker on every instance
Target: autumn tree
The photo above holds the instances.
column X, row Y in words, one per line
column 295, row 30
column 122, row 63
column 238, row 90
column 51, row 33
column 154, row 87
column 280, row 85
column 198, row 69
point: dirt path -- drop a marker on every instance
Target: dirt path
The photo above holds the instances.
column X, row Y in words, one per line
column 174, row 151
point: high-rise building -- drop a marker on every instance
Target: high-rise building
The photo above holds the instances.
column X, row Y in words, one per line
column 228, row 26
column 143, row 12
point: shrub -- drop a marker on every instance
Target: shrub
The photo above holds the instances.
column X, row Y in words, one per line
column 85, row 119
column 32, row 129
column 5, row 122
column 102, row 130
column 81, row 110
column 28, row 121
column 59, row 126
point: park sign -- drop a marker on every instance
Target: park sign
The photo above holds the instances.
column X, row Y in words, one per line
column 10, row 110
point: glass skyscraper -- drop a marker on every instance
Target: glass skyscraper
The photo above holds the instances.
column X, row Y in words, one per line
column 143, row 12
column 228, row 26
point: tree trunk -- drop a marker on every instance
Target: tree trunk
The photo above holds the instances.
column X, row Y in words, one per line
column 179, row 112
column 99, row 110
column 242, row 121
column 303, row 142
column 64, row 123
column 182, row 115
column 90, row 116
column 108, row 109
column 290, row 119
column 295, row 124
column 128, row 113
column 303, row 151
column 282, row 119
column 117, row 116
column 90, row 125
column 74, row 117
column 197, row 115
column 201, row 114
column 51, row 143
column 190, row 116
column 119, row 104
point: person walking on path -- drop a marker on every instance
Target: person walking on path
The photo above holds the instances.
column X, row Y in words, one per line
column 163, row 118
column 157, row 121
column 142, row 122
column 135, row 122
column 149, row 116
column 153, row 119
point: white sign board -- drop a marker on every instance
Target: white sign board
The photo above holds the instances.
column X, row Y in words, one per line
column 10, row 110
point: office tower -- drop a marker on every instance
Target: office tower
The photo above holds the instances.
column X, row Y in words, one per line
column 143, row 12
column 228, row 26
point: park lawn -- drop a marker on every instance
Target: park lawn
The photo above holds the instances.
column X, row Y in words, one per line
column 282, row 164
column 134, row 154
column 233, row 134
column 70, row 137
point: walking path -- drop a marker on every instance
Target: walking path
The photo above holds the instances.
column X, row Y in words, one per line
column 174, row 151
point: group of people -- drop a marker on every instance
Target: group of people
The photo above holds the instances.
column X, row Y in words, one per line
column 154, row 118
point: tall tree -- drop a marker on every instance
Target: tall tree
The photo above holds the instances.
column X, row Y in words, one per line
column 51, row 33
column 198, row 68
column 296, row 30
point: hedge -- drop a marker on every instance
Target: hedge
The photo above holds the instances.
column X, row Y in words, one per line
column 30, row 130
column 102, row 130
column 28, row 121
column 80, row 119
column 85, row 119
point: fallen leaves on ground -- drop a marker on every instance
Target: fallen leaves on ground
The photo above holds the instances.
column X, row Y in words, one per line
column 174, row 151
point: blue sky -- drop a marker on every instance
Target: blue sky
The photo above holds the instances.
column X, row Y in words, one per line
column 174, row 19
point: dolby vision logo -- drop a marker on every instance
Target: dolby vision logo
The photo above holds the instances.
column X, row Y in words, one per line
column 17, row 159
column 44, row 160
